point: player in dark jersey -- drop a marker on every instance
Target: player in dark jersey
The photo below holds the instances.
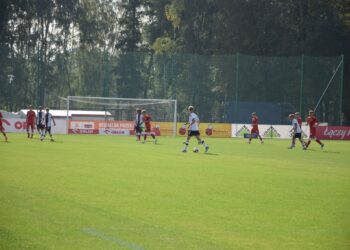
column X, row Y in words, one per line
column 40, row 123
column 138, row 124
column 48, row 119
column 2, row 129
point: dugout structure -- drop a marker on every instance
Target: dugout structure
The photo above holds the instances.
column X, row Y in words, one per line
column 122, row 109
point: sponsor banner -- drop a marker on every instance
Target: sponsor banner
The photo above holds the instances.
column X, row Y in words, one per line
column 238, row 130
column 14, row 125
column 115, row 127
column 267, row 131
column 162, row 128
column 82, row 131
column 83, row 127
column 119, row 125
column 333, row 132
column 158, row 128
column 19, row 125
column 222, row 130
column 104, row 127
column 113, row 131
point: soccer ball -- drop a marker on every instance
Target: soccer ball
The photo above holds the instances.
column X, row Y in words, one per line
column 182, row 130
column 195, row 150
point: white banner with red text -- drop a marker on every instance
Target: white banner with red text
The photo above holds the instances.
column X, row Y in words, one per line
column 18, row 125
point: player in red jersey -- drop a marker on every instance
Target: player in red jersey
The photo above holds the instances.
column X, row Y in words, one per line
column 147, row 121
column 30, row 121
column 255, row 128
column 2, row 130
column 313, row 122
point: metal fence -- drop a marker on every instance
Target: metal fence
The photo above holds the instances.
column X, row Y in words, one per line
column 223, row 88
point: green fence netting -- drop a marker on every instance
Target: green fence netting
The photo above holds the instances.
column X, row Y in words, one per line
column 223, row 88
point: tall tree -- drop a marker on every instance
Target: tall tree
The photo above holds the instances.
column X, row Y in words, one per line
column 129, row 41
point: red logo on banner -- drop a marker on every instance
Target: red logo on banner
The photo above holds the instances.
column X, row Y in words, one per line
column 6, row 122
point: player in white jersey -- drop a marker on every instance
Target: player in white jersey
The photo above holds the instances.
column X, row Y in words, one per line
column 138, row 124
column 40, row 122
column 193, row 130
column 48, row 119
column 296, row 130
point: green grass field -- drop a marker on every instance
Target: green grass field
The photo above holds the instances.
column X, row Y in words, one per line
column 105, row 192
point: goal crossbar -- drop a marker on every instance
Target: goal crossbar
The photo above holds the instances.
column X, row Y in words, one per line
column 117, row 98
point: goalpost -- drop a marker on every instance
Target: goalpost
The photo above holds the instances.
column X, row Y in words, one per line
column 109, row 109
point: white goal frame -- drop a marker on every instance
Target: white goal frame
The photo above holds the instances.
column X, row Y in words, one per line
column 170, row 101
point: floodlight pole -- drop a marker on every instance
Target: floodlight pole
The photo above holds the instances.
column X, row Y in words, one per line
column 67, row 119
column 236, row 87
column 341, row 92
column 301, row 84
column 329, row 83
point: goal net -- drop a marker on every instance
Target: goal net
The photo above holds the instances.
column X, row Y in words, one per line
column 116, row 116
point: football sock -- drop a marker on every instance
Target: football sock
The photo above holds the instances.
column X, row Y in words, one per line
column 319, row 142
column 203, row 143
column 186, row 145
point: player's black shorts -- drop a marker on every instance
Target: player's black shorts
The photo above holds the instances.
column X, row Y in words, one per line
column 40, row 126
column 48, row 129
column 298, row 135
column 138, row 129
column 193, row 133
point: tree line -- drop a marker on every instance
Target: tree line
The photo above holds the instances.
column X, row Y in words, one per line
column 158, row 48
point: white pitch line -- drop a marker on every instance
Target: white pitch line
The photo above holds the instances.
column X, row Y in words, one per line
column 103, row 236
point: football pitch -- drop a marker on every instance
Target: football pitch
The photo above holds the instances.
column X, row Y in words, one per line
column 106, row 192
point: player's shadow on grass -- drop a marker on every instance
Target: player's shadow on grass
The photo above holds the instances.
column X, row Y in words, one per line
column 324, row 151
column 55, row 141
column 211, row 154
